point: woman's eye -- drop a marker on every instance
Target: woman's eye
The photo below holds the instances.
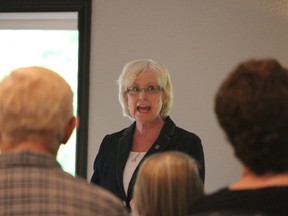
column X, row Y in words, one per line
column 136, row 89
column 151, row 88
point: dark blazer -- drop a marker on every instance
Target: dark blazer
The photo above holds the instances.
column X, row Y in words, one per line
column 115, row 148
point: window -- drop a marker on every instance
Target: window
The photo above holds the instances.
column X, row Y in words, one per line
column 56, row 33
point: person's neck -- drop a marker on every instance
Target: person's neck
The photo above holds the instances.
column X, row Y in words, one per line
column 144, row 127
column 28, row 146
column 250, row 180
column 145, row 134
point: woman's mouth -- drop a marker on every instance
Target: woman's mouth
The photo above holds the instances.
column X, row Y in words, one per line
column 142, row 108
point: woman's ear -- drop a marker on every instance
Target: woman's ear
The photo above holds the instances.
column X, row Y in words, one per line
column 69, row 129
column 164, row 99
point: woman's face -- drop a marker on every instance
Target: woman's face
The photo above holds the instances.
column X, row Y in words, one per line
column 145, row 97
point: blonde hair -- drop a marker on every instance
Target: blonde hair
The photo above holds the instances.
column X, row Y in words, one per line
column 167, row 185
column 34, row 100
column 129, row 74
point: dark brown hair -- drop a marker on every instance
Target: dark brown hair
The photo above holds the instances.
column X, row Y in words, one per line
column 252, row 108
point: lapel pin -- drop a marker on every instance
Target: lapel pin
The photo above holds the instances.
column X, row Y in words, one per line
column 157, row 146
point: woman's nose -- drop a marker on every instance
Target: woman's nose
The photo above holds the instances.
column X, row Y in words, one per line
column 142, row 94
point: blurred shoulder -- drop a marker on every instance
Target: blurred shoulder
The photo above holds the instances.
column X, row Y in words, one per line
column 173, row 128
column 93, row 197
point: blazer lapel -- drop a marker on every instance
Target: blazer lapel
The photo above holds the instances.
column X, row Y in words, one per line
column 164, row 138
column 123, row 150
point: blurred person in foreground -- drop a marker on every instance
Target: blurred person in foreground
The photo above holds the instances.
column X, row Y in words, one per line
column 36, row 117
column 252, row 108
column 167, row 184
column 146, row 97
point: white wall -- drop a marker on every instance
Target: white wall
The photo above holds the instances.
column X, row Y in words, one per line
column 199, row 41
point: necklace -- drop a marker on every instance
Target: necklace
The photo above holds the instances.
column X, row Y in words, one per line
column 133, row 160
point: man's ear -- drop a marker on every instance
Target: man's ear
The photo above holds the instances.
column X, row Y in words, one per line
column 69, row 129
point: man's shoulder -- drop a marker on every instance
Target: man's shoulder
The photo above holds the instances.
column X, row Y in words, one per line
column 83, row 187
column 93, row 197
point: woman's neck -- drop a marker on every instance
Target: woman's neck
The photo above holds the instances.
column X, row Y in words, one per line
column 145, row 134
column 251, row 181
column 143, row 127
